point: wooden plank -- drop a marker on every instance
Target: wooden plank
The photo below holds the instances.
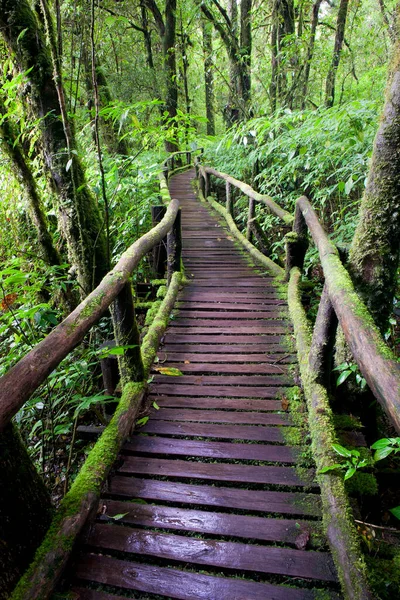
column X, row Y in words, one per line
column 227, row 391
column 185, row 469
column 253, row 369
column 267, row 305
column 220, row 416
column 204, row 357
column 269, row 350
column 227, row 555
column 232, row 329
column 140, row 444
column 237, row 380
column 293, row 503
column 177, row 584
column 204, row 315
column 265, row 342
column 208, row 430
column 219, row 403
column 286, row 531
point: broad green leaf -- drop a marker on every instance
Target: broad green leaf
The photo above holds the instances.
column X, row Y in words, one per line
column 382, row 453
column 330, row 468
column 382, row 443
column 349, row 473
column 395, row 512
column 342, row 377
column 341, row 450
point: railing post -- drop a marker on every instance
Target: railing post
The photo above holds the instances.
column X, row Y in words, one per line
column 159, row 250
column 229, row 201
column 188, row 157
column 250, row 217
column 165, row 171
column 174, row 247
column 172, row 162
column 206, row 184
column 202, row 178
column 126, row 333
column 296, row 242
column 323, row 341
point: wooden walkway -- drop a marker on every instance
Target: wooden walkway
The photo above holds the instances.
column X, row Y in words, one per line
column 209, row 503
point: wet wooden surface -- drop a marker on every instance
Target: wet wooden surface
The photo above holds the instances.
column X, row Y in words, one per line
column 207, row 500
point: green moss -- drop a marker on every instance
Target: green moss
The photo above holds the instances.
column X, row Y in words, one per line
column 347, row 422
column 385, row 576
column 82, row 495
column 362, row 484
column 158, row 282
column 152, row 312
column 162, row 291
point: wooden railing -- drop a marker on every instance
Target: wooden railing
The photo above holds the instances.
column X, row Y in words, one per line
column 21, row 381
column 339, row 305
column 377, row 363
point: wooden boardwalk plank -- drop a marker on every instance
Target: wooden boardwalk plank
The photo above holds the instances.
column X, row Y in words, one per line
column 227, row 555
column 167, row 446
column 185, row 469
column 254, row 368
column 219, row 416
column 258, row 501
column 211, row 430
column 217, row 403
column 174, row 583
column 202, row 356
column 286, row 531
column 214, row 390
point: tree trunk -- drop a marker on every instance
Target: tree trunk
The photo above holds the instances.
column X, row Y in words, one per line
column 245, row 49
column 208, row 75
column 310, row 51
column 78, row 212
column 331, row 77
column 25, row 510
column 374, row 253
column 171, row 99
column 13, row 150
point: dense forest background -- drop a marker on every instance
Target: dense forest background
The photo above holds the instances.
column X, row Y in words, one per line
column 94, row 94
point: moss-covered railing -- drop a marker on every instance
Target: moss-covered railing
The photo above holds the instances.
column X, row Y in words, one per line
column 339, row 305
column 21, row 381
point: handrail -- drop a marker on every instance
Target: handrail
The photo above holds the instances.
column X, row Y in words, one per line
column 286, row 217
column 18, row 384
column 376, row 361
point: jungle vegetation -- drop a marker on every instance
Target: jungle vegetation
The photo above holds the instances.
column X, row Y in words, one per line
column 284, row 94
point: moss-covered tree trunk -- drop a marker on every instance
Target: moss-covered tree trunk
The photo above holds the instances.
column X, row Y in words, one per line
column 208, row 75
column 339, row 38
column 25, row 510
column 374, row 253
column 78, row 213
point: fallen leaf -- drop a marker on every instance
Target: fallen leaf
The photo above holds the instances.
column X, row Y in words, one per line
column 119, row 516
column 284, row 403
column 169, row 371
column 187, row 362
column 141, row 422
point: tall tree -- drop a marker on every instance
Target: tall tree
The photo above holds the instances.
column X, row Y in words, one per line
column 78, row 213
column 208, row 75
column 166, row 27
column 374, row 254
column 283, row 25
column 339, row 38
column 238, row 46
column 310, row 51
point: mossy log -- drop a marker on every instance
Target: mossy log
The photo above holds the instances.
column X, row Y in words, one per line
column 248, row 191
column 323, row 340
column 258, row 256
column 338, row 518
column 376, row 361
column 25, row 377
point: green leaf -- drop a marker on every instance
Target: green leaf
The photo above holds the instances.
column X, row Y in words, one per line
column 395, row 512
column 330, row 468
column 21, row 35
column 155, row 405
column 142, row 421
column 349, row 185
column 341, row 450
column 382, row 443
column 342, row 377
column 68, row 165
column 382, row 453
column 119, row 516
column 349, row 473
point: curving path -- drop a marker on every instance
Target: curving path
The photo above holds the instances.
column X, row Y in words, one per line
column 208, row 499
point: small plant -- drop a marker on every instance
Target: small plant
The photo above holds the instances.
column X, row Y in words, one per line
column 350, row 465
column 384, row 447
column 347, row 369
